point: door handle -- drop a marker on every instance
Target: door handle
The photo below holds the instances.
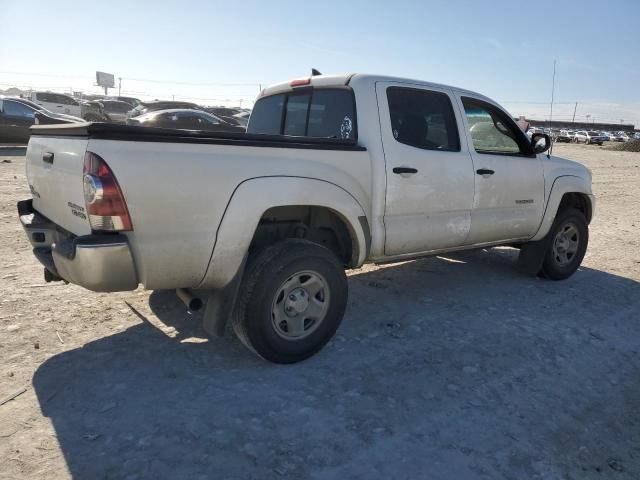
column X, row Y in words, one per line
column 484, row 171
column 401, row 170
column 48, row 157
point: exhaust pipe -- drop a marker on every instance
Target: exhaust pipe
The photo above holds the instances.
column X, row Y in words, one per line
column 192, row 302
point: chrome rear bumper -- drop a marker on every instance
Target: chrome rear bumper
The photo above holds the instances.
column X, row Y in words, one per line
column 102, row 263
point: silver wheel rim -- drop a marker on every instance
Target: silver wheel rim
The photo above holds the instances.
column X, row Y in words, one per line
column 300, row 305
column 565, row 245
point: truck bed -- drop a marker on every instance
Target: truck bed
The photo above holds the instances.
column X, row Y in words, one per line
column 133, row 133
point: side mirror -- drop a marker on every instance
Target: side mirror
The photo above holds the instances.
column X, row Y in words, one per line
column 541, row 142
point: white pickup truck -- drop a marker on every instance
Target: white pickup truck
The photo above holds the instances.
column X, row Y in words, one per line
column 333, row 172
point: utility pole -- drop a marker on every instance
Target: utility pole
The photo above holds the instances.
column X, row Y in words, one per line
column 119, row 85
column 553, row 87
column 574, row 113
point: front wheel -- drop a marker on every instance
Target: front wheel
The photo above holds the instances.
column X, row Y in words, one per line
column 292, row 299
column 568, row 239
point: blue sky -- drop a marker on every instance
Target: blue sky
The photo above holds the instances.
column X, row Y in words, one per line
column 504, row 49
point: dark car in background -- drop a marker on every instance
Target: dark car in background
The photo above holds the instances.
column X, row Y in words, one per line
column 134, row 102
column 92, row 111
column 116, row 111
column 17, row 116
column 225, row 113
column 562, row 136
column 146, row 107
column 186, row 120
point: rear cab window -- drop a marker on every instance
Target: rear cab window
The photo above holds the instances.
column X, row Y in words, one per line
column 318, row 113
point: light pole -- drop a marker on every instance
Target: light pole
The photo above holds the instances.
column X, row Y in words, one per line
column 119, row 85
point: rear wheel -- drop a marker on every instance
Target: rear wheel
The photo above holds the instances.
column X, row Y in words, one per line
column 568, row 239
column 292, row 300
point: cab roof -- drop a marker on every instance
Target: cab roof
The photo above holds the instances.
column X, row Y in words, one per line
column 359, row 79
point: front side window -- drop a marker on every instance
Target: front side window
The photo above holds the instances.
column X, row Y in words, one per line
column 490, row 131
column 423, row 119
column 17, row 110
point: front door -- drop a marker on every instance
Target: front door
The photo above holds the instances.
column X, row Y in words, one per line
column 509, row 181
column 429, row 171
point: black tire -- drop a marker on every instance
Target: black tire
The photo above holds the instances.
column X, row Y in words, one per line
column 254, row 321
column 553, row 267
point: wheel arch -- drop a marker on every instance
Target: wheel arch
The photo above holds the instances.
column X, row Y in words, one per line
column 272, row 201
column 566, row 191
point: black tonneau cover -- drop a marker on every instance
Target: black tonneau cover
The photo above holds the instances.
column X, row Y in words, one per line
column 134, row 133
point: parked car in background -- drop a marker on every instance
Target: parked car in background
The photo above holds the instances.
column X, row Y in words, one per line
column 92, row 111
column 185, row 120
column 562, row 136
column 227, row 114
column 533, row 130
column 623, row 136
column 57, row 103
column 43, row 110
column 613, row 136
column 116, row 111
column 146, row 107
column 242, row 118
column 590, row 137
column 134, row 102
column 17, row 117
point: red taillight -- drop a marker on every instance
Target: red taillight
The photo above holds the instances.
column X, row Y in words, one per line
column 300, row 82
column 103, row 198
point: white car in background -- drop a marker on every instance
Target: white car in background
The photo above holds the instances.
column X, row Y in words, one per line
column 622, row 137
column 57, row 103
column 590, row 137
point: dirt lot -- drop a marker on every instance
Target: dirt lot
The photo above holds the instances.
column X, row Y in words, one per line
column 453, row 367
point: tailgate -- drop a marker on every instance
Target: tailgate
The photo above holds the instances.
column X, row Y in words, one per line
column 54, row 173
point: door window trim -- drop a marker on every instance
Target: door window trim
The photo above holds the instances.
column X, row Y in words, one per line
column 526, row 150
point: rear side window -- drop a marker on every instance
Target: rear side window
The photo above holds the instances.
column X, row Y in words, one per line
column 423, row 119
column 322, row 113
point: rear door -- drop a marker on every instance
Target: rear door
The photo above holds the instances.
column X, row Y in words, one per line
column 54, row 172
column 429, row 171
column 509, row 180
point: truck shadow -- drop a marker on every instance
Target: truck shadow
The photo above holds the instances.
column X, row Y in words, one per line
column 457, row 366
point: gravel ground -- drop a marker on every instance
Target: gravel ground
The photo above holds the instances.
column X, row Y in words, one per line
column 455, row 367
